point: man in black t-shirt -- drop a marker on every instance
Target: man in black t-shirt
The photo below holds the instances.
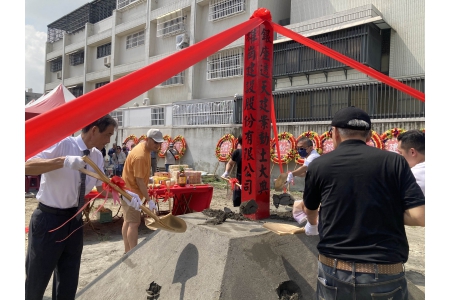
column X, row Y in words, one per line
column 236, row 159
column 366, row 197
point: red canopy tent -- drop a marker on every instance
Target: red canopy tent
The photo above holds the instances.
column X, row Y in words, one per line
column 56, row 97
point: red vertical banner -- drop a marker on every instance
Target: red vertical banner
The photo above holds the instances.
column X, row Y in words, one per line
column 256, row 128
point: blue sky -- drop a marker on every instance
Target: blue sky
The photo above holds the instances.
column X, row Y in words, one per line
column 38, row 14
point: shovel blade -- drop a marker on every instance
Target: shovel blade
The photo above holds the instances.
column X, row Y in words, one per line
column 280, row 182
column 167, row 223
column 283, row 229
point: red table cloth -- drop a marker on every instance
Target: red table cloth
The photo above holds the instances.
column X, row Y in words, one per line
column 188, row 199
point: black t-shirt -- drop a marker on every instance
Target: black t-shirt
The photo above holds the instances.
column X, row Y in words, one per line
column 363, row 192
column 237, row 157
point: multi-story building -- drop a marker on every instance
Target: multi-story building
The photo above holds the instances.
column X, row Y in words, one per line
column 106, row 39
column 30, row 95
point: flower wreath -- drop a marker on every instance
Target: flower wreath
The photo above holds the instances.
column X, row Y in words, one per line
column 324, row 142
column 141, row 138
column 181, row 151
column 132, row 138
column 422, row 129
column 226, row 138
column 376, row 140
column 164, row 145
column 313, row 136
column 290, row 153
column 389, row 138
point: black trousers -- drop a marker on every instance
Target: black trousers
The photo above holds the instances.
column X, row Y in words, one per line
column 237, row 193
column 46, row 256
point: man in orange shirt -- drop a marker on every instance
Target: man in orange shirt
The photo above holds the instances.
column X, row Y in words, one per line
column 136, row 174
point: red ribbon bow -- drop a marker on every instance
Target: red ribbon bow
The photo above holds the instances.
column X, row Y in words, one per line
column 117, row 181
column 233, row 182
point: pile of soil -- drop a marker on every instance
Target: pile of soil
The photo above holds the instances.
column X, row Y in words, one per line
column 221, row 215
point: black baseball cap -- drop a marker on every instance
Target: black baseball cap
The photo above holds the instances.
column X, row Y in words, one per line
column 343, row 116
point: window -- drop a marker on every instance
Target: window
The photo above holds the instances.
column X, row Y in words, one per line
column 117, row 114
column 220, row 9
column 104, row 50
column 203, row 113
column 135, row 39
column 157, row 116
column 175, row 80
column 171, row 24
column 56, row 65
column 76, row 91
column 225, row 64
column 99, row 84
column 123, row 3
column 362, row 43
column 76, row 58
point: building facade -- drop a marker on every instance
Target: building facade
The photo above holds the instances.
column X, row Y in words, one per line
column 105, row 40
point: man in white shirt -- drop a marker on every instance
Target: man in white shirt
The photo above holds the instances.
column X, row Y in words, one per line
column 411, row 145
column 59, row 251
column 306, row 150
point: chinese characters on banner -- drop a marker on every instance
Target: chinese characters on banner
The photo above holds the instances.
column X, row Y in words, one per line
column 256, row 126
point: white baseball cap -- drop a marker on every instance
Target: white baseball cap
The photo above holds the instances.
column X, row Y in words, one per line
column 156, row 135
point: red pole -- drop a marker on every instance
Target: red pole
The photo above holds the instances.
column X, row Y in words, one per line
column 256, row 104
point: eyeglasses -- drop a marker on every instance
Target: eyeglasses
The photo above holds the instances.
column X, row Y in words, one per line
column 330, row 132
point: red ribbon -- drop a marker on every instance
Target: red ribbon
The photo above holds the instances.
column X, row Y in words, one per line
column 167, row 195
column 233, row 182
column 117, row 181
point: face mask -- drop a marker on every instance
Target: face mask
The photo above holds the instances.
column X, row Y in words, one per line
column 302, row 153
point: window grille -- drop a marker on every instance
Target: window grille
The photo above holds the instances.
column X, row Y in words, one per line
column 362, row 43
column 175, row 80
column 320, row 104
column 203, row 113
column 221, row 9
column 171, row 24
column 225, row 64
column 56, row 65
column 76, row 91
column 118, row 115
column 99, row 84
column 157, row 116
column 135, row 39
column 104, row 50
column 76, row 58
column 123, row 3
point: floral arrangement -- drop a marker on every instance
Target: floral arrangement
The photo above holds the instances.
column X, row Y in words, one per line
column 422, row 129
column 376, row 140
column 289, row 153
column 181, row 151
column 389, row 139
column 226, row 138
column 141, row 138
column 326, row 146
column 166, row 143
column 132, row 138
column 391, row 133
column 317, row 143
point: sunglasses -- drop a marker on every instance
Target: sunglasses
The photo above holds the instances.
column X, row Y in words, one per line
column 301, row 148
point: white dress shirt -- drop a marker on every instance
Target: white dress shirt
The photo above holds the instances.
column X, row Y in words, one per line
column 59, row 188
column 312, row 156
column 419, row 172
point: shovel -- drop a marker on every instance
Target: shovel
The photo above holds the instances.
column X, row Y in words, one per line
column 283, row 229
column 168, row 222
column 280, row 182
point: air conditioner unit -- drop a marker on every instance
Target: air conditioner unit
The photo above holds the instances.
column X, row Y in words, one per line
column 182, row 41
column 107, row 61
column 59, row 75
